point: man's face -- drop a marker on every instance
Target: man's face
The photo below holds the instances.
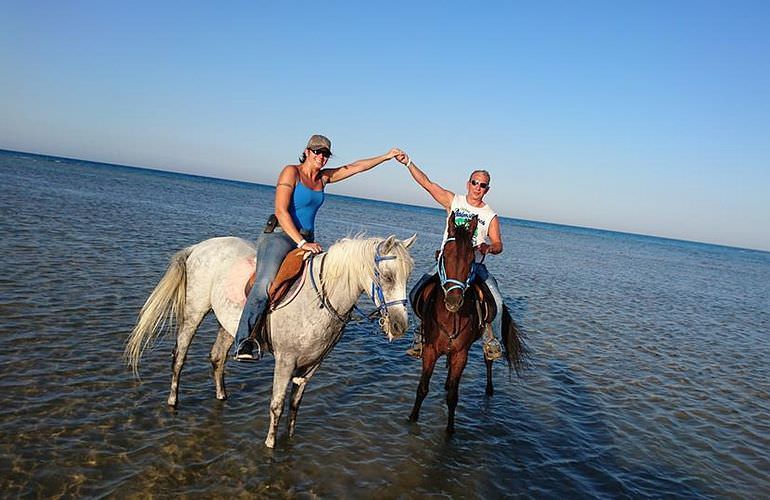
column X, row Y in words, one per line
column 478, row 185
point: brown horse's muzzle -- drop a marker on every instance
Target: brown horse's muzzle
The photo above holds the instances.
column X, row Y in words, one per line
column 453, row 300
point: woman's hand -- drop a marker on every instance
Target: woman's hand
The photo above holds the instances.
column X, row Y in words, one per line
column 393, row 153
column 311, row 247
column 402, row 158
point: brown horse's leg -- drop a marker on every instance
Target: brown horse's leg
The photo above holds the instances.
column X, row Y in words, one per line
column 429, row 357
column 457, row 362
column 218, row 358
column 490, row 389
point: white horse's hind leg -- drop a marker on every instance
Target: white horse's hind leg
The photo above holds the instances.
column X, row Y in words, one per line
column 218, row 358
column 284, row 367
column 183, row 339
column 297, row 391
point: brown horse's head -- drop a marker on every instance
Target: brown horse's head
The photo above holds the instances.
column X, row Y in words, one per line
column 456, row 262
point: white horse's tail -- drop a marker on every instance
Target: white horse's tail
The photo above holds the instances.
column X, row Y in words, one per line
column 164, row 308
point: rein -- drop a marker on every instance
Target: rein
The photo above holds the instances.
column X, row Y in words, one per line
column 454, row 283
column 322, row 293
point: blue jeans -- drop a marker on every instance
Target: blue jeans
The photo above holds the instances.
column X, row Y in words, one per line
column 271, row 250
column 491, row 282
column 481, row 273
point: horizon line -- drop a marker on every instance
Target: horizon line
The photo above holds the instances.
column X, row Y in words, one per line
column 557, row 224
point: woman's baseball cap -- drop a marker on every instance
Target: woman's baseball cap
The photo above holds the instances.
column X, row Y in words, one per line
column 318, row 142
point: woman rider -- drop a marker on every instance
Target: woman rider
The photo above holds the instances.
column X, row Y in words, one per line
column 298, row 196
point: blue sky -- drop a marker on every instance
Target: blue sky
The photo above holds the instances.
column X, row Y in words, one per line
column 646, row 117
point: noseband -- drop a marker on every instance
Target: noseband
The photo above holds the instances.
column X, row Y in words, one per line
column 462, row 285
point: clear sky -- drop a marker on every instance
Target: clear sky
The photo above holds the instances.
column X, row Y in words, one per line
column 650, row 117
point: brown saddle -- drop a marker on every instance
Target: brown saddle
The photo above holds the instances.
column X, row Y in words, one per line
column 485, row 303
column 291, row 269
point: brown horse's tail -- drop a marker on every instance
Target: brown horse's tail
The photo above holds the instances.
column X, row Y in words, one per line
column 516, row 352
column 164, row 308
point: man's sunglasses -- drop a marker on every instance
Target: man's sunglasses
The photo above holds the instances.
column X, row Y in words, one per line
column 322, row 151
column 483, row 185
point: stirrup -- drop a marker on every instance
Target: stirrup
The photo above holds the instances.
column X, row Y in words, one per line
column 249, row 356
column 492, row 349
column 415, row 351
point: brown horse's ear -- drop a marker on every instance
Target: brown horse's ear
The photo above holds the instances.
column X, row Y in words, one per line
column 451, row 226
column 474, row 223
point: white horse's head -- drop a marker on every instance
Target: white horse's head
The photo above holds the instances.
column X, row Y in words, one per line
column 378, row 267
column 392, row 267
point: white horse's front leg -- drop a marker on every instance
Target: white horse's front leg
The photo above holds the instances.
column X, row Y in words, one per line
column 298, row 389
column 283, row 369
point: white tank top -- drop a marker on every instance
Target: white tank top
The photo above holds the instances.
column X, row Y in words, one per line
column 464, row 212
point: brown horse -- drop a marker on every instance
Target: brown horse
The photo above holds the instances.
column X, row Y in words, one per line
column 454, row 308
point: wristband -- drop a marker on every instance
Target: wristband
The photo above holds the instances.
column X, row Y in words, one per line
column 408, row 163
column 301, row 243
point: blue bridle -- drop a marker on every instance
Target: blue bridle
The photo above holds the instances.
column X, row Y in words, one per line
column 377, row 295
column 462, row 285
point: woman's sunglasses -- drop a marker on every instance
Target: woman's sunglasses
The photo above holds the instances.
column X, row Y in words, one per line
column 483, row 185
column 322, row 151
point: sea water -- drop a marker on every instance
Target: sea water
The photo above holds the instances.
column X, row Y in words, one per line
column 648, row 371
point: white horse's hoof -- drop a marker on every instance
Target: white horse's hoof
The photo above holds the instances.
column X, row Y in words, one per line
column 270, row 443
column 299, row 380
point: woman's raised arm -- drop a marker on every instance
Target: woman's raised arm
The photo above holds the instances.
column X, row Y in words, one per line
column 345, row 171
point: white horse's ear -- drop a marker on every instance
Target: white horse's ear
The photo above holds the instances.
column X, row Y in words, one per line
column 408, row 242
column 387, row 245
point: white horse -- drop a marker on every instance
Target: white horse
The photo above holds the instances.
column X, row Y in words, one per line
column 212, row 275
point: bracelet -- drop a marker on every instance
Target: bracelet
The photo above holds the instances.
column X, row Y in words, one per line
column 301, row 243
column 408, row 163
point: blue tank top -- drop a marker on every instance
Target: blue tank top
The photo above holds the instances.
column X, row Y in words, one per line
column 305, row 203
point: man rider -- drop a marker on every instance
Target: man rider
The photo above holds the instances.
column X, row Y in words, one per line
column 486, row 239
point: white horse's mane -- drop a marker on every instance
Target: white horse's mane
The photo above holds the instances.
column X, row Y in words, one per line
column 350, row 261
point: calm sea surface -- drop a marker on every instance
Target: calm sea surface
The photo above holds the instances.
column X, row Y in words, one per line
column 649, row 369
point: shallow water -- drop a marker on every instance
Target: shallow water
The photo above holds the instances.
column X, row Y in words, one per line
column 648, row 374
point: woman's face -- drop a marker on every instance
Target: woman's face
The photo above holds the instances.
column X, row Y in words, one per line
column 318, row 157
